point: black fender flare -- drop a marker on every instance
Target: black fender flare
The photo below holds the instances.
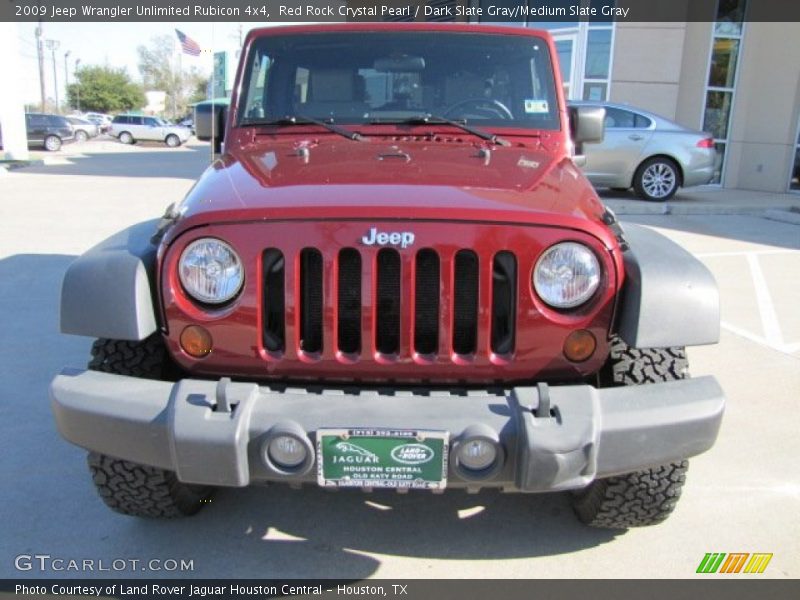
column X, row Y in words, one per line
column 108, row 292
column 669, row 297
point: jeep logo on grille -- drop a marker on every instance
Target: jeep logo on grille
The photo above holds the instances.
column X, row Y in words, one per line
column 388, row 238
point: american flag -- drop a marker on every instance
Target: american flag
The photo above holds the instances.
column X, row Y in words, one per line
column 188, row 44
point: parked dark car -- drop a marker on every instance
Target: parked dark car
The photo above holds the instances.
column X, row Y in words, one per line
column 48, row 131
column 84, row 129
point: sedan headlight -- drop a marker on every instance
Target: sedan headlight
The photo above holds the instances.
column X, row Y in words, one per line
column 566, row 275
column 211, row 271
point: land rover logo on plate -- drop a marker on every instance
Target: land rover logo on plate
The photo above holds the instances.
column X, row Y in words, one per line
column 404, row 239
column 412, row 454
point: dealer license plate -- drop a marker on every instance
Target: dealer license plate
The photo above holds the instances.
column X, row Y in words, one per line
column 382, row 458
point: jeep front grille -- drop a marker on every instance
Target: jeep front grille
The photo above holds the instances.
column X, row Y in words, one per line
column 438, row 298
column 349, row 301
column 426, row 302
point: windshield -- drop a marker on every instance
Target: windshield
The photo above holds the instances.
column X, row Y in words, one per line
column 354, row 77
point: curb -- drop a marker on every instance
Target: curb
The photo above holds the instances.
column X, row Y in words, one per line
column 784, row 216
column 10, row 165
column 775, row 213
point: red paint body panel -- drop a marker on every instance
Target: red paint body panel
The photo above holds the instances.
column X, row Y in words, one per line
column 267, row 193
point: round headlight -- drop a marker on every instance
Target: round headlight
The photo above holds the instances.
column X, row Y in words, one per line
column 566, row 275
column 211, row 271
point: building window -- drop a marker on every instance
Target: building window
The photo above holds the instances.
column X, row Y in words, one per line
column 584, row 45
column 726, row 46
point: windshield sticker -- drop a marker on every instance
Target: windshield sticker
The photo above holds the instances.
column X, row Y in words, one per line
column 533, row 106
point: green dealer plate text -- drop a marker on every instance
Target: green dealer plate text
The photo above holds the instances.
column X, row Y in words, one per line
column 382, row 458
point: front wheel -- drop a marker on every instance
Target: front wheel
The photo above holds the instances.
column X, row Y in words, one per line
column 125, row 138
column 142, row 491
column 127, row 487
column 52, row 143
column 173, row 141
column 657, row 179
column 643, row 497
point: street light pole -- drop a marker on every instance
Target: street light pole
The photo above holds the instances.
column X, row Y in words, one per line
column 66, row 77
column 78, row 84
column 53, row 45
column 40, row 60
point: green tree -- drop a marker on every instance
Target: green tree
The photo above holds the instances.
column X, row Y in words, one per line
column 198, row 86
column 104, row 89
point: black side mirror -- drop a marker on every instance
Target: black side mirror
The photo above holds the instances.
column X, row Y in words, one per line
column 587, row 124
column 218, row 136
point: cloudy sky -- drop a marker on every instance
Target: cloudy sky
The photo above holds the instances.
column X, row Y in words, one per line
column 113, row 44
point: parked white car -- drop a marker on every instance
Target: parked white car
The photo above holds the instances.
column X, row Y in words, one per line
column 645, row 151
column 130, row 129
column 102, row 120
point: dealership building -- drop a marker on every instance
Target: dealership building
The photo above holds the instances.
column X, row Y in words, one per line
column 711, row 66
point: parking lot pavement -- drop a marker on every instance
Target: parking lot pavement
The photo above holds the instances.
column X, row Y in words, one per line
column 742, row 496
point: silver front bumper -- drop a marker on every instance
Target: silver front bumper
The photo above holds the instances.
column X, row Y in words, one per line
column 214, row 432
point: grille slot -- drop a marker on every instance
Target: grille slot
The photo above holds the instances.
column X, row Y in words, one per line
column 465, row 302
column 504, row 302
column 426, row 303
column 274, row 303
column 349, row 301
column 387, row 302
column 310, row 300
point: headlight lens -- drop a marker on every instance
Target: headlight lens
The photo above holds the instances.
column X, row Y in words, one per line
column 566, row 275
column 211, row 271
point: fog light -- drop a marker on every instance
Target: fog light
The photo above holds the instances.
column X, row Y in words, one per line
column 477, row 454
column 579, row 345
column 196, row 341
column 286, row 451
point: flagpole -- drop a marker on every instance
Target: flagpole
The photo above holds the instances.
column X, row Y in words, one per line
column 179, row 89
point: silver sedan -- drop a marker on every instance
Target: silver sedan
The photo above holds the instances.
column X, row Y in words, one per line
column 645, row 151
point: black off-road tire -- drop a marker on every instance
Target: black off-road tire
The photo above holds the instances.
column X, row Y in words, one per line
column 142, row 491
column 147, row 359
column 130, row 488
column 644, row 497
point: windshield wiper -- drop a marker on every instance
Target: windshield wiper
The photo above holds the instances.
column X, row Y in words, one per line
column 429, row 119
column 303, row 120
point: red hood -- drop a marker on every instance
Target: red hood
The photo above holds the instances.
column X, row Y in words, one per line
column 445, row 177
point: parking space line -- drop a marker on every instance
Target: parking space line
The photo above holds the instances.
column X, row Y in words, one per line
column 784, row 348
column 769, row 318
column 745, row 253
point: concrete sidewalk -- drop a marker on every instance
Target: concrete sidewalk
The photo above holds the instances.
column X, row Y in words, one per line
column 708, row 200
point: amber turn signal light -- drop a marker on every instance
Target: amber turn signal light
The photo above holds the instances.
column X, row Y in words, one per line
column 196, row 341
column 579, row 345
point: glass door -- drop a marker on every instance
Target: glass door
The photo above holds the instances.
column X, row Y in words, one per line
column 566, row 47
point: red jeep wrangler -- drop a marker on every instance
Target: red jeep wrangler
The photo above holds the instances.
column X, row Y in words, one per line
column 394, row 276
